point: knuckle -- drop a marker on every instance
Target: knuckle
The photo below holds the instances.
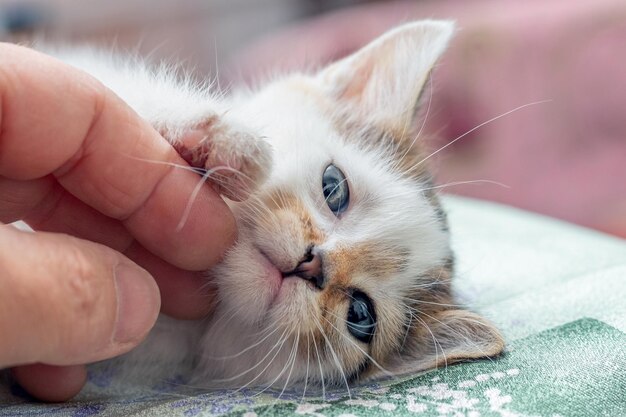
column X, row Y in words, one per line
column 83, row 284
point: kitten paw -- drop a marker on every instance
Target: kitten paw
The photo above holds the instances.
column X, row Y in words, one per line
column 237, row 160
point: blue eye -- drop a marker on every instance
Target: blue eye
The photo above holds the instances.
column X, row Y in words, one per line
column 361, row 317
column 335, row 189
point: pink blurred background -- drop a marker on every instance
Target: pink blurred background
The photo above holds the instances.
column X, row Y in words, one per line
column 564, row 157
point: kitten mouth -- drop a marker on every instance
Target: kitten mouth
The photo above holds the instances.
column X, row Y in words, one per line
column 314, row 282
column 269, row 273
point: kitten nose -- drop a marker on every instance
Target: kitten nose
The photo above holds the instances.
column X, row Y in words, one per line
column 311, row 269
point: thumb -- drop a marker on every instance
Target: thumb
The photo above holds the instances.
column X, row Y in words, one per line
column 66, row 301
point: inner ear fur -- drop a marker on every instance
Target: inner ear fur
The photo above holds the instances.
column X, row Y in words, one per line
column 452, row 335
column 463, row 334
column 382, row 81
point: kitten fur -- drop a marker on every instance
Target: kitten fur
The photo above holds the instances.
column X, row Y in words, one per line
column 391, row 243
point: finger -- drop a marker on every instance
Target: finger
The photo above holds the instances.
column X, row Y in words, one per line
column 47, row 206
column 51, row 383
column 184, row 294
column 67, row 301
column 97, row 148
column 18, row 198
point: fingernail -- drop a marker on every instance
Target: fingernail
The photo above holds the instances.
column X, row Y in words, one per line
column 138, row 303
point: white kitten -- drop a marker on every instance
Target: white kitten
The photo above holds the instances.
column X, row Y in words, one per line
column 342, row 267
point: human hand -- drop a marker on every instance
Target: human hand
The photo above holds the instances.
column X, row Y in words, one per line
column 70, row 162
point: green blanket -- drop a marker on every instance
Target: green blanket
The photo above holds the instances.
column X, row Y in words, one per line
column 557, row 291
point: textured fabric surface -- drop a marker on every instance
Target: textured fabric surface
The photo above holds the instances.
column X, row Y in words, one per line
column 556, row 291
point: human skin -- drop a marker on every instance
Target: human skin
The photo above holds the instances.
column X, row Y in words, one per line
column 106, row 256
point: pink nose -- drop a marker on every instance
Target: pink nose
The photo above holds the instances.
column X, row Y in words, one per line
column 311, row 270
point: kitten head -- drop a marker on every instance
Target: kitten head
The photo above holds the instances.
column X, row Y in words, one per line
column 342, row 268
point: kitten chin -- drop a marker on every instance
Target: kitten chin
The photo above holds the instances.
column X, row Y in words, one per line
column 343, row 268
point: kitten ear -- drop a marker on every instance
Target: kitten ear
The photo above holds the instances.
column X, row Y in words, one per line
column 452, row 336
column 383, row 80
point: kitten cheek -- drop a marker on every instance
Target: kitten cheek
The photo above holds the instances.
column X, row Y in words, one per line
column 269, row 276
column 295, row 300
column 247, row 282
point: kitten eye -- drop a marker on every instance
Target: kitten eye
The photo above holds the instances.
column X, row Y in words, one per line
column 335, row 189
column 361, row 317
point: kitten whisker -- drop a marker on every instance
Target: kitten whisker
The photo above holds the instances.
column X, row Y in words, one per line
column 254, row 203
column 217, row 67
column 455, row 183
column 308, row 357
column 332, row 191
column 296, row 346
column 334, row 355
column 222, row 316
column 206, row 173
column 171, row 164
column 478, row 127
column 416, row 301
column 429, row 284
column 418, row 134
column 280, row 341
column 290, row 360
column 367, row 355
column 408, row 329
column 435, row 342
column 319, row 362
column 248, row 348
column 278, row 351
column 195, row 193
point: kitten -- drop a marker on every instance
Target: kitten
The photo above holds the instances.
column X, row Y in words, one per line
column 342, row 268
